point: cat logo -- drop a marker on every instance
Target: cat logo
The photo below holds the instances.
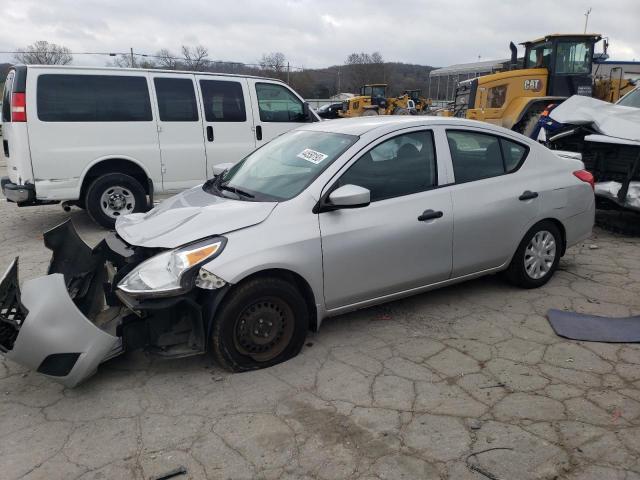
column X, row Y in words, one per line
column 534, row 85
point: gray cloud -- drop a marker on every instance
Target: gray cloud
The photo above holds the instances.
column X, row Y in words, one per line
column 314, row 33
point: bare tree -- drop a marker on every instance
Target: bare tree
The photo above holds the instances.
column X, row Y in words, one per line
column 194, row 57
column 363, row 68
column 44, row 53
column 274, row 61
column 166, row 60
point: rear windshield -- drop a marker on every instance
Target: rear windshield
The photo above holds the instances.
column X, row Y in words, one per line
column 93, row 98
column 6, row 97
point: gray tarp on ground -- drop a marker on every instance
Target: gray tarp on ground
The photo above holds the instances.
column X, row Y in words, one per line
column 606, row 118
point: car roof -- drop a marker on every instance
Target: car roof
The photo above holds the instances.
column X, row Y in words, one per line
column 362, row 125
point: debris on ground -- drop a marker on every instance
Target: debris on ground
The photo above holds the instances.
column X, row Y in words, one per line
column 181, row 470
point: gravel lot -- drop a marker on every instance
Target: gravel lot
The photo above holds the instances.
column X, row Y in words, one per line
column 402, row 391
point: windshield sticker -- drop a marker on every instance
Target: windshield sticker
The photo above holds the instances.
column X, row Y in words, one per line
column 312, row 156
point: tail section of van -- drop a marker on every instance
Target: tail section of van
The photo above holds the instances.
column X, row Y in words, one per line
column 106, row 139
column 18, row 186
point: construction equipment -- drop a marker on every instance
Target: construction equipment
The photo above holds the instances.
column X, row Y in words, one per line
column 421, row 103
column 555, row 67
column 373, row 100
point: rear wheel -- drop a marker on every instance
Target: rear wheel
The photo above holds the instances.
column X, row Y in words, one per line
column 537, row 257
column 369, row 113
column 261, row 323
column 113, row 195
column 527, row 125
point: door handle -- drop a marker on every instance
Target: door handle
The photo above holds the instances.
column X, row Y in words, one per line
column 258, row 132
column 210, row 133
column 528, row 195
column 429, row 215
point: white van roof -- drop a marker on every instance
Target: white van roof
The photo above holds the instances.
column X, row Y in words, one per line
column 152, row 70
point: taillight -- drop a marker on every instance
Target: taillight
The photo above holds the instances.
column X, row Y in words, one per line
column 585, row 177
column 18, row 107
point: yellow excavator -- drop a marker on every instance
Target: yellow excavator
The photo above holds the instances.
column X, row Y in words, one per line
column 373, row 100
column 555, row 67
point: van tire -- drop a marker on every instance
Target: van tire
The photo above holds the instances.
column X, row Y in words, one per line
column 277, row 301
column 128, row 197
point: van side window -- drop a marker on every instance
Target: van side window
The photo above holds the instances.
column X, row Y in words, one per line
column 176, row 99
column 93, row 98
column 478, row 155
column 223, row 101
column 278, row 104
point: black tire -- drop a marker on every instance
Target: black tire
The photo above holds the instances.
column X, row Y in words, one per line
column 528, row 123
column 236, row 335
column 517, row 272
column 102, row 185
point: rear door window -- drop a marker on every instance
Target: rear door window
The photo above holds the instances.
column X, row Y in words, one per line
column 6, row 97
column 223, row 101
column 176, row 99
column 478, row 155
column 93, row 98
column 277, row 103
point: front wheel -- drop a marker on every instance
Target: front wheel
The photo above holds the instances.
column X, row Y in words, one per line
column 113, row 195
column 537, row 257
column 262, row 322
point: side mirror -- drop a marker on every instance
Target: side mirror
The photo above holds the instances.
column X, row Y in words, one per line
column 349, row 196
column 306, row 113
column 222, row 167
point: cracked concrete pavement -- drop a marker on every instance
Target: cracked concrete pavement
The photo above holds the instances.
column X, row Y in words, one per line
column 407, row 390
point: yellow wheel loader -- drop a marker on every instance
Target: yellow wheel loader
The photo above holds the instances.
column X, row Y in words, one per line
column 555, row 67
column 371, row 101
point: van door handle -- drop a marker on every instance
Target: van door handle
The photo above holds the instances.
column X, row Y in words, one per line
column 210, row 133
column 429, row 215
column 258, row 132
column 528, row 195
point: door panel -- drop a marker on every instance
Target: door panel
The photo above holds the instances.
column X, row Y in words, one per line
column 179, row 131
column 490, row 218
column 276, row 109
column 386, row 248
column 229, row 135
column 383, row 248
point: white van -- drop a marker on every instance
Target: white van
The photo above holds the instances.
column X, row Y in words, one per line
column 106, row 138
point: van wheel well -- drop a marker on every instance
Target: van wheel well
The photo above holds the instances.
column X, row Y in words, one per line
column 300, row 283
column 116, row 165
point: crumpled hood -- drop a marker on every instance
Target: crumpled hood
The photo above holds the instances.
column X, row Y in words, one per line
column 190, row 216
column 609, row 119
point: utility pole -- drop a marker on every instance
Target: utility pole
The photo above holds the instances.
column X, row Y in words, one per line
column 339, row 90
column 132, row 62
column 288, row 68
column 586, row 19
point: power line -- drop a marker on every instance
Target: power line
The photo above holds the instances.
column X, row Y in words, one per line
column 133, row 54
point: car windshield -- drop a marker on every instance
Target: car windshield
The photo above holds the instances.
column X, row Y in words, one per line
column 285, row 166
column 632, row 99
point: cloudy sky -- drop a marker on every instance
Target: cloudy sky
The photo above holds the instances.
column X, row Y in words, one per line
column 314, row 33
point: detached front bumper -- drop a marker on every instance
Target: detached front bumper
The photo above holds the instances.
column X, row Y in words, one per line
column 53, row 337
column 60, row 324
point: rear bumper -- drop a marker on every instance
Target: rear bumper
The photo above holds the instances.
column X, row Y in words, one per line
column 21, row 194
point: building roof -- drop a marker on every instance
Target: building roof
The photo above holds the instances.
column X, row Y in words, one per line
column 484, row 66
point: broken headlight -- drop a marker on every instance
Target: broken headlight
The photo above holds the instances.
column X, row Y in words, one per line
column 171, row 272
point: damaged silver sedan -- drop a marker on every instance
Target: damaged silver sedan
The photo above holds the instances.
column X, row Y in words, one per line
column 322, row 220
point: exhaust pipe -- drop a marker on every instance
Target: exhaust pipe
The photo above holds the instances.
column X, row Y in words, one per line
column 514, row 56
column 66, row 206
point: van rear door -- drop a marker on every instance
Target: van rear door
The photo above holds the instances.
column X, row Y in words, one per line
column 227, row 117
column 15, row 138
column 180, row 131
